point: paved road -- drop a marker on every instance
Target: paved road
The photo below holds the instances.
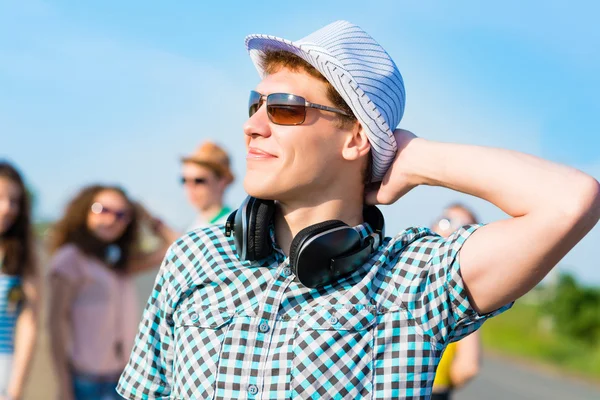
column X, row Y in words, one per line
column 501, row 380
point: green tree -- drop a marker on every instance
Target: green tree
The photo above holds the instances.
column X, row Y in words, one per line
column 575, row 310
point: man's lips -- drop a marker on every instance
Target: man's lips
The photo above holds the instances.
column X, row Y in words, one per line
column 255, row 153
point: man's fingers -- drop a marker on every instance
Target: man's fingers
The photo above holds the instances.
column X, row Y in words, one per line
column 371, row 190
column 371, row 198
column 383, row 195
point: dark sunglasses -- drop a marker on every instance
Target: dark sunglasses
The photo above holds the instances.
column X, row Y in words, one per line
column 285, row 108
column 195, row 181
column 120, row 215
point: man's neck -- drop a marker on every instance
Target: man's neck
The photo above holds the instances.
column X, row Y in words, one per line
column 210, row 212
column 292, row 218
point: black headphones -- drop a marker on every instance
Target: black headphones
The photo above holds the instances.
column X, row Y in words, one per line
column 320, row 254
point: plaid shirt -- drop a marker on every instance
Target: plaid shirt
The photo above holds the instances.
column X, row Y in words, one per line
column 218, row 328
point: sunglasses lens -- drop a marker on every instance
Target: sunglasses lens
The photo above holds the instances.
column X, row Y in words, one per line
column 286, row 109
column 195, row 181
column 253, row 103
column 97, row 208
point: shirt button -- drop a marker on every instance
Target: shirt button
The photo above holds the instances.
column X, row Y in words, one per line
column 263, row 327
column 252, row 389
column 285, row 317
column 287, row 271
column 333, row 320
column 194, row 317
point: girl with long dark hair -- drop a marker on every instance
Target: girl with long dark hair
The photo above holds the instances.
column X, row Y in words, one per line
column 19, row 284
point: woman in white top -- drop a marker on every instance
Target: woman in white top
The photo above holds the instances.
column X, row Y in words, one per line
column 19, row 285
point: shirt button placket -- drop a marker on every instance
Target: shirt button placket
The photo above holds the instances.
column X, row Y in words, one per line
column 260, row 344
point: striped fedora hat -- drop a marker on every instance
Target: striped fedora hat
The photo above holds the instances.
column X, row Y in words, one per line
column 360, row 70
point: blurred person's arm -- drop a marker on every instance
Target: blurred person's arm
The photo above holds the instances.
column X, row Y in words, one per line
column 62, row 292
column 25, row 337
column 147, row 261
column 553, row 207
column 467, row 360
column 158, row 227
column 144, row 261
column 166, row 233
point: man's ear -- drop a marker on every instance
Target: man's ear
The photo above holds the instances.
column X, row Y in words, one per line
column 356, row 144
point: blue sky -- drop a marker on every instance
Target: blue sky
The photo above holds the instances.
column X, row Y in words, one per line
column 117, row 91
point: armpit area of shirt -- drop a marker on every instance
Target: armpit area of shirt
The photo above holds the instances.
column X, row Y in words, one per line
column 467, row 318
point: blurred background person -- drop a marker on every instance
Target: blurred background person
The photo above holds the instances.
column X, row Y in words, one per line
column 93, row 316
column 205, row 175
column 461, row 360
column 19, row 284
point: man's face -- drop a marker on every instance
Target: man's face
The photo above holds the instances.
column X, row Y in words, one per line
column 202, row 186
column 293, row 162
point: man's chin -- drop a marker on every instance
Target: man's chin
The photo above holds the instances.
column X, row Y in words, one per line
column 262, row 194
column 260, row 189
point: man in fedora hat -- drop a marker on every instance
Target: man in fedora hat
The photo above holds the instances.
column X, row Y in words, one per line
column 306, row 298
column 205, row 174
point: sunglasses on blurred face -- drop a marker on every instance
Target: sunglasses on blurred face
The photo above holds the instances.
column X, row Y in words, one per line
column 285, row 108
column 193, row 181
column 120, row 215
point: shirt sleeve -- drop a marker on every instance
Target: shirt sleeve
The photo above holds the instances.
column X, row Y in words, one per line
column 67, row 262
column 148, row 374
column 435, row 294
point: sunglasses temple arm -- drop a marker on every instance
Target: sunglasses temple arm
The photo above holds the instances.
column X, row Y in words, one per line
column 325, row 108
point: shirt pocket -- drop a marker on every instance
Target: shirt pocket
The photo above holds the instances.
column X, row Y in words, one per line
column 333, row 353
column 198, row 337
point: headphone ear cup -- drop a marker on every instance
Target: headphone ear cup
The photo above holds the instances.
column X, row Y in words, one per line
column 258, row 237
column 310, row 231
column 374, row 217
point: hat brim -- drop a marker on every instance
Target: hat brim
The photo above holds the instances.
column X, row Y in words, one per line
column 381, row 137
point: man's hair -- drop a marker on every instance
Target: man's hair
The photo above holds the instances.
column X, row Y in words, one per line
column 274, row 60
column 465, row 209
